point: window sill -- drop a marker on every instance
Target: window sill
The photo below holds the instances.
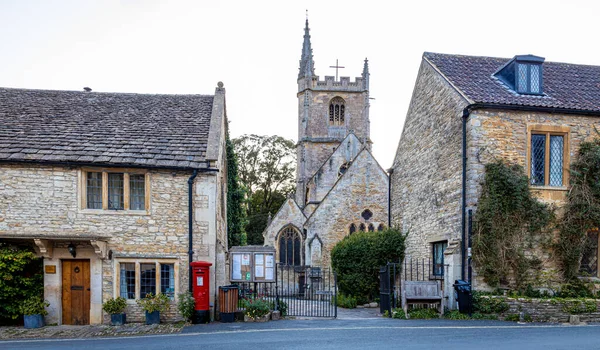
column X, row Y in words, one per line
column 115, row 212
column 548, row 188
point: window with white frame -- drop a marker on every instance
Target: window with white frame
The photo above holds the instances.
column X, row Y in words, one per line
column 139, row 278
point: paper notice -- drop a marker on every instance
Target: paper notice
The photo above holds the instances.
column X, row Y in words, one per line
column 259, row 259
column 237, row 267
column 245, row 259
column 268, row 260
column 269, row 273
column 259, row 272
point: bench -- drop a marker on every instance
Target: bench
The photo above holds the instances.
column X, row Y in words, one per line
column 422, row 292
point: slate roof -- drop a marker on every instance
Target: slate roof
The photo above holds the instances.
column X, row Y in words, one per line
column 570, row 86
column 169, row 131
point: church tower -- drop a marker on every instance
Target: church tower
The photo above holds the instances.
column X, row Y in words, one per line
column 327, row 111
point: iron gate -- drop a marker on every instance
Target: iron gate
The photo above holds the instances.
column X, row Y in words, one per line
column 307, row 291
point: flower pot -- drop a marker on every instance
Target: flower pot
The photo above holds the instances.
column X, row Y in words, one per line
column 34, row 321
column 153, row 317
column 118, row 319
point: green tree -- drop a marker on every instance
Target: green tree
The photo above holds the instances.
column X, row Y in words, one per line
column 266, row 168
column 356, row 260
column 236, row 213
column 20, row 279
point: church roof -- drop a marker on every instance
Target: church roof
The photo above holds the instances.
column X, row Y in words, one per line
column 166, row 131
column 569, row 86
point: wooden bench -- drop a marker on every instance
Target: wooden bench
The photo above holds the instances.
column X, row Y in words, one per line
column 422, row 292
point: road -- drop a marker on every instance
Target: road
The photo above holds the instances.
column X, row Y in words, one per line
column 346, row 334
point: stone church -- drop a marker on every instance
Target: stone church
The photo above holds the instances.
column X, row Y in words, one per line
column 340, row 187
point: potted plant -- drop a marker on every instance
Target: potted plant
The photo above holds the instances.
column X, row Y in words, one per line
column 115, row 308
column 34, row 310
column 153, row 305
column 257, row 310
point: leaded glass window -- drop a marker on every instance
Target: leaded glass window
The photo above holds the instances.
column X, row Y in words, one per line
column 127, row 280
column 556, row 160
column 115, row 191
column 137, row 192
column 167, row 280
column 547, row 160
column 147, row 279
column 535, row 78
column 522, row 78
column 371, row 228
column 438, row 258
column 589, row 259
column 380, row 228
column 337, row 111
column 352, row 228
column 538, row 158
column 362, row 228
column 529, row 78
column 290, row 247
column 94, row 190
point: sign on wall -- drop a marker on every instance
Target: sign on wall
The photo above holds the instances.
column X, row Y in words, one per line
column 252, row 267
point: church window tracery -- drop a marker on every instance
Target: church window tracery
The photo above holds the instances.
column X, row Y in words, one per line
column 381, row 227
column 290, row 247
column 367, row 214
column 362, row 228
column 371, row 228
column 352, row 228
column 337, row 111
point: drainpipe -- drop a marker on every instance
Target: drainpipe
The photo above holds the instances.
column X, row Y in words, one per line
column 191, row 217
column 390, row 172
column 465, row 118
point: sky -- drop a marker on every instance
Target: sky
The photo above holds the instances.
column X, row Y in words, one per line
column 254, row 47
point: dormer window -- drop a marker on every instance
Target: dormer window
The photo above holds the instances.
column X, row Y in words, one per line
column 523, row 74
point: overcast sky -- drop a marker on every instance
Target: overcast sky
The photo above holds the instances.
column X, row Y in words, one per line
column 254, row 47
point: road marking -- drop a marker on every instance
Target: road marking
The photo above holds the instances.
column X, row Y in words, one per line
column 312, row 329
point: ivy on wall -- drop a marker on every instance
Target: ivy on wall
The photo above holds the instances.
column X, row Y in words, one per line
column 508, row 223
column 582, row 210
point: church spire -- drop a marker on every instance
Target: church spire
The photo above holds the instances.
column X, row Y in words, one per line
column 307, row 65
column 365, row 75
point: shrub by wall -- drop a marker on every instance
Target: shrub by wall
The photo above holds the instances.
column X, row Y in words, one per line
column 356, row 260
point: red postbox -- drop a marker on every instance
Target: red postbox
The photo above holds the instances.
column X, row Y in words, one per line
column 201, row 290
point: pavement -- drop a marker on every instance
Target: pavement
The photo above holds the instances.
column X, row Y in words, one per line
column 91, row 331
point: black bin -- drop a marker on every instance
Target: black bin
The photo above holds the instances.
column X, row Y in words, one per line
column 464, row 296
column 228, row 302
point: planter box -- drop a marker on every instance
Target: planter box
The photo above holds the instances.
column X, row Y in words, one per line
column 33, row 321
column 117, row 319
column 153, row 317
column 265, row 318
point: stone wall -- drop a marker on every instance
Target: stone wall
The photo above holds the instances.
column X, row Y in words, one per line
column 364, row 186
column 43, row 201
column 549, row 310
column 426, row 183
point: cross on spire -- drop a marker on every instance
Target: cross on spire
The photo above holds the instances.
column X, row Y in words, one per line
column 336, row 68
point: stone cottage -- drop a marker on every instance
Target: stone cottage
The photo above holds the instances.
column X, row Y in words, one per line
column 116, row 191
column 467, row 111
column 340, row 187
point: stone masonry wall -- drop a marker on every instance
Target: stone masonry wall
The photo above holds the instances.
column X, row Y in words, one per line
column 549, row 310
column 504, row 135
column 364, row 186
column 426, row 183
column 43, row 201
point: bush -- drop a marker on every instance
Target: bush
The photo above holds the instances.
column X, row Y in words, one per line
column 186, row 305
column 488, row 305
column 455, row 315
column 21, row 278
column 114, row 306
column 398, row 313
column 357, row 259
column 347, row 302
column 34, row 306
column 575, row 289
column 423, row 313
column 257, row 308
column 151, row 303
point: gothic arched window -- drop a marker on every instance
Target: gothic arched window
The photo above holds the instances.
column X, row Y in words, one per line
column 367, row 214
column 371, row 228
column 352, row 228
column 337, row 111
column 362, row 228
column 290, row 247
column 380, row 227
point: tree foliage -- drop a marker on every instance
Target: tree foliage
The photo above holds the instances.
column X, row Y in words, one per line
column 236, row 213
column 21, row 279
column 582, row 211
column 356, row 260
column 266, row 168
column 508, row 223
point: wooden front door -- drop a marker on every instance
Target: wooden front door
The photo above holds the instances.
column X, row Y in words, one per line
column 76, row 292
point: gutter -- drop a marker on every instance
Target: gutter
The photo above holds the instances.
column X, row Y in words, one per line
column 191, row 218
column 507, row 107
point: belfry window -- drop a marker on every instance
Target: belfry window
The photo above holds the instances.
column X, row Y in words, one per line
column 290, row 247
column 337, row 112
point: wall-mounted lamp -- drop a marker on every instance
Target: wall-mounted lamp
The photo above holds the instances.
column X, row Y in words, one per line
column 72, row 250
